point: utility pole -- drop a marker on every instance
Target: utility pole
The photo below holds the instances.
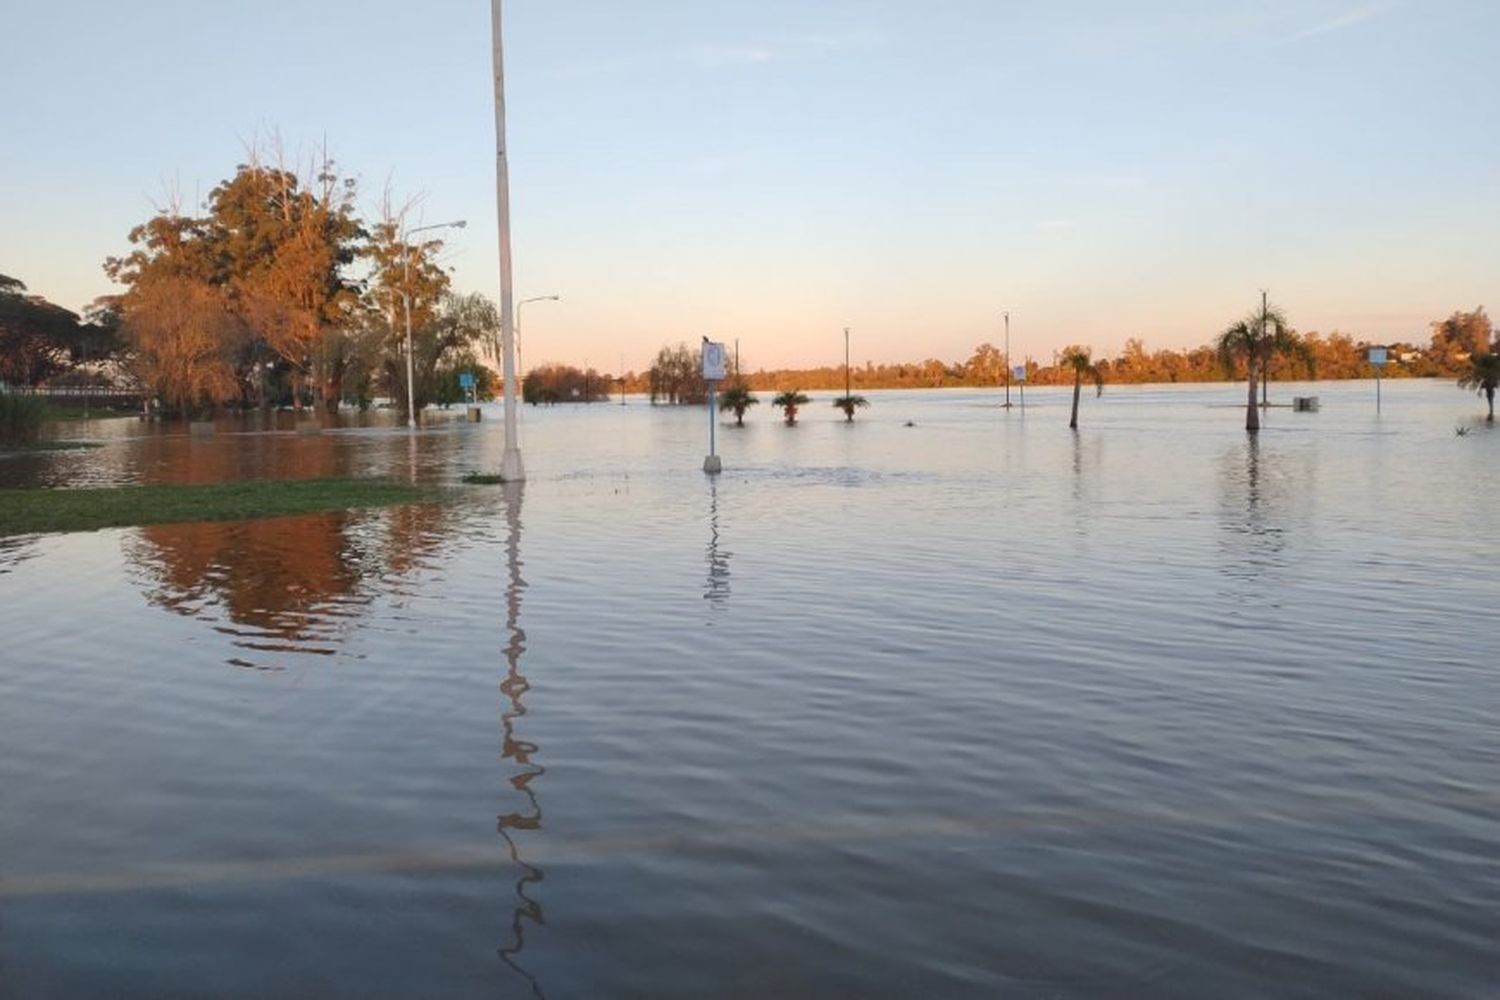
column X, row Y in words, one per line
column 1006, row 314
column 511, row 468
column 1265, row 375
column 848, row 388
column 411, row 406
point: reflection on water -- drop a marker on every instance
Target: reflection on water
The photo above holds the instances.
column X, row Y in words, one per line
column 13, row 551
column 1263, row 490
column 249, row 446
column 717, row 590
column 1085, row 471
column 287, row 585
column 515, row 749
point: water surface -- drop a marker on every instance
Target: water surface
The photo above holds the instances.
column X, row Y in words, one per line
column 971, row 707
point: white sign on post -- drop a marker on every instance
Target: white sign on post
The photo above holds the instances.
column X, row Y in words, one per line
column 1018, row 372
column 715, row 369
column 715, row 361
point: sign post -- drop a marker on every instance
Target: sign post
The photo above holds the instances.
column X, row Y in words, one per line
column 1377, row 356
column 715, row 364
column 471, row 395
column 1018, row 372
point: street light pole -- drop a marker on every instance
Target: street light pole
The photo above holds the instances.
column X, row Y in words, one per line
column 511, row 468
column 411, row 406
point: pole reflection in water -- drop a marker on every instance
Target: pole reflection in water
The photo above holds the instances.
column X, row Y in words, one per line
column 1268, row 491
column 717, row 590
column 514, row 687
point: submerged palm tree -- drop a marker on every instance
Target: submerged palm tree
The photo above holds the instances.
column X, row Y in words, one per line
column 1257, row 338
column 738, row 398
column 849, row 404
column 1080, row 359
column 789, row 401
column 1483, row 376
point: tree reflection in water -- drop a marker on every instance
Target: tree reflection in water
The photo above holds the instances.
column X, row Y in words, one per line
column 1266, row 493
column 1255, row 542
column 286, row 585
column 515, row 749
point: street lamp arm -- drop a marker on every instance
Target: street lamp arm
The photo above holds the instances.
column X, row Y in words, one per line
column 517, row 329
column 456, row 224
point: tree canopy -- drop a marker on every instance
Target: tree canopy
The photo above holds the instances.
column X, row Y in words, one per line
column 37, row 338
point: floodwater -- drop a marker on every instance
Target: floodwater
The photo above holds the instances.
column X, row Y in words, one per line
column 974, row 707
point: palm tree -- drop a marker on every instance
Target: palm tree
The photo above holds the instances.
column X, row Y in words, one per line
column 738, row 398
column 1080, row 359
column 1242, row 341
column 1251, row 339
column 789, row 401
column 849, row 404
column 1483, row 376
column 1256, row 338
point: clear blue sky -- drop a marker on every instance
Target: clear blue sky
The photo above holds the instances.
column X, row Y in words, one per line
column 776, row 169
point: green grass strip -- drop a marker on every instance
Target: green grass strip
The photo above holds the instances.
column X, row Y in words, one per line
column 25, row 511
column 50, row 446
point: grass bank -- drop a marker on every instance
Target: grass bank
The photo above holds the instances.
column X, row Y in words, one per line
column 49, row 446
column 38, row 510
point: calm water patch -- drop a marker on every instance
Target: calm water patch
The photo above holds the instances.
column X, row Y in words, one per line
column 973, row 707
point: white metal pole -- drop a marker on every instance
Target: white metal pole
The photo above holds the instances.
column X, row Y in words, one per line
column 1007, row 359
column 511, row 468
column 411, row 406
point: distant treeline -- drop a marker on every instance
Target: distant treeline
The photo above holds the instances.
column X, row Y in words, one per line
column 674, row 378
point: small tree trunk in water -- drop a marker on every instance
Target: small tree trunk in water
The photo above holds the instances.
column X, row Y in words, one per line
column 1252, row 412
column 1077, row 388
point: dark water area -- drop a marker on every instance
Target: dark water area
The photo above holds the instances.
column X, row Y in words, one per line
column 974, row 707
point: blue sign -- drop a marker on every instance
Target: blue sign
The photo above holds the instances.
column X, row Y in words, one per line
column 1377, row 355
column 466, row 380
column 1018, row 372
